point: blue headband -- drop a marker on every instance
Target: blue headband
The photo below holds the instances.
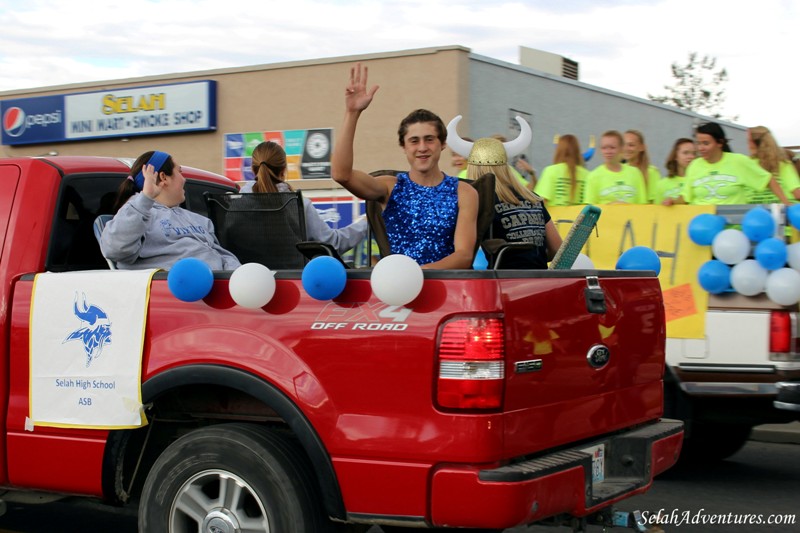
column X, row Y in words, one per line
column 157, row 160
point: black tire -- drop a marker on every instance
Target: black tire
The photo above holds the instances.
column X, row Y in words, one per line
column 714, row 442
column 232, row 475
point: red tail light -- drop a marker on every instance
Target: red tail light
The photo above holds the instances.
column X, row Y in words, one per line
column 471, row 364
column 780, row 332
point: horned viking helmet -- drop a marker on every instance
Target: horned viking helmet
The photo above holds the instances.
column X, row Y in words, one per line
column 488, row 151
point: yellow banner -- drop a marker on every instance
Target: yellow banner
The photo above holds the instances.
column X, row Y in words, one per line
column 663, row 229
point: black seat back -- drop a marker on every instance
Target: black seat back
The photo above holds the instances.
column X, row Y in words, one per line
column 260, row 227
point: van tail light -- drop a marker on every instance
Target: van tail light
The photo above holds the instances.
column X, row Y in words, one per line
column 780, row 332
column 471, row 364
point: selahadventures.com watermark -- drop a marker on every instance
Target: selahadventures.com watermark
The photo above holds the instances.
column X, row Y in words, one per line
column 676, row 517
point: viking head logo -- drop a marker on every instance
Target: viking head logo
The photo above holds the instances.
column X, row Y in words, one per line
column 166, row 227
column 95, row 330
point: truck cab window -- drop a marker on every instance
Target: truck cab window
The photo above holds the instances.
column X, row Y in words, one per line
column 81, row 199
column 72, row 243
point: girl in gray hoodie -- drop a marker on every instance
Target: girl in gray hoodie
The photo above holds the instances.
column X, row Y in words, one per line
column 150, row 230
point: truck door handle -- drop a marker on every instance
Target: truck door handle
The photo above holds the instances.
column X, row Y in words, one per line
column 595, row 297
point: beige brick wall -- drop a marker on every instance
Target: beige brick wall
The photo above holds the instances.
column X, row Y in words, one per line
column 297, row 95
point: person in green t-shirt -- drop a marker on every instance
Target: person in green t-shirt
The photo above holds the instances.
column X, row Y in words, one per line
column 671, row 186
column 719, row 176
column 563, row 182
column 765, row 150
column 612, row 182
column 635, row 153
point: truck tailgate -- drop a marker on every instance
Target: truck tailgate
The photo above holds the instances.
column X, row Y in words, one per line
column 573, row 374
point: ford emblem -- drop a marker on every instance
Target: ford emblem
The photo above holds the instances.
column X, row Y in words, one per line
column 598, row 356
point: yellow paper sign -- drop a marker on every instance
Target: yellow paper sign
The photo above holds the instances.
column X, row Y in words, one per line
column 663, row 229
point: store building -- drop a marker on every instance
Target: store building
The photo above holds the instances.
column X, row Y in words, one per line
column 210, row 119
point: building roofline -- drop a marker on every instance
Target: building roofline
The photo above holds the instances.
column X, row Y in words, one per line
column 233, row 70
column 603, row 90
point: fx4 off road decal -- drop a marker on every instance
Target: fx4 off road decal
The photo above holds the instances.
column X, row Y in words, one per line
column 362, row 316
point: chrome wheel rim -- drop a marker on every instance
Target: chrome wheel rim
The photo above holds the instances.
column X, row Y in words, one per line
column 217, row 501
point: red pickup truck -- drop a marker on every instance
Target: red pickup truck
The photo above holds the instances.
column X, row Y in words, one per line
column 506, row 397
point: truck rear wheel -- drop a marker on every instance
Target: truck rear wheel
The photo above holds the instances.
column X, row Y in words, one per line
column 231, row 478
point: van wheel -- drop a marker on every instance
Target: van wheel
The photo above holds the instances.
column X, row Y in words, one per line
column 231, row 478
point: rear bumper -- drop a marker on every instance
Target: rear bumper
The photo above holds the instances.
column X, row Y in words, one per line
column 555, row 484
column 698, row 379
column 788, row 396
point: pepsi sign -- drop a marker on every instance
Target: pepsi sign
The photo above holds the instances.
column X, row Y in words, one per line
column 124, row 112
column 33, row 120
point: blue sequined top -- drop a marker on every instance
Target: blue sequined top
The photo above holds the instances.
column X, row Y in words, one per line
column 421, row 221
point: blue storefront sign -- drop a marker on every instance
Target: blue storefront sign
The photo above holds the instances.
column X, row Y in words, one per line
column 127, row 112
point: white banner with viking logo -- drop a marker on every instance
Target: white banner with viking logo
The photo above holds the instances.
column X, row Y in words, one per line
column 86, row 338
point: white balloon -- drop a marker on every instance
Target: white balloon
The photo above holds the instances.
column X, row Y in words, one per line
column 583, row 262
column 252, row 285
column 396, row 279
column 793, row 255
column 749, row 277
column 783, row 286
column 731, row 246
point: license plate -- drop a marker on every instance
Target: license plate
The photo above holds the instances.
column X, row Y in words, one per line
column 598, row 461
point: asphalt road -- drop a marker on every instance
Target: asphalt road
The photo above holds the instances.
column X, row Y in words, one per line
column 761, row 480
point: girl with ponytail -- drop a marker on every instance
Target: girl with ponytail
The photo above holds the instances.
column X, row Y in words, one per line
column 270, row 167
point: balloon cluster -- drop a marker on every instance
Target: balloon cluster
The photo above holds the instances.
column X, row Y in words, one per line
column 732, row 270
column 251, row 285
column 395, row 280
column 639, row 258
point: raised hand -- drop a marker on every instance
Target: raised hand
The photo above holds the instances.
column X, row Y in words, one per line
column 152, row 186
column 357, row 97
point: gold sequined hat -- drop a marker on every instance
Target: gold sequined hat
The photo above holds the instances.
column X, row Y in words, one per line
column 487, row 151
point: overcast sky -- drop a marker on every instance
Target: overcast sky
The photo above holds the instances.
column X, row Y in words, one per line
column 622, row 45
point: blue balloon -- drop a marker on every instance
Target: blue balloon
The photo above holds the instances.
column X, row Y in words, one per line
column 703, row 228
column 639, row 258
column 190, row 279
column 771, row 253
column 793, row 214
column 758, row 224
column 480, row 262
column 714, row 276
column 324, row 278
